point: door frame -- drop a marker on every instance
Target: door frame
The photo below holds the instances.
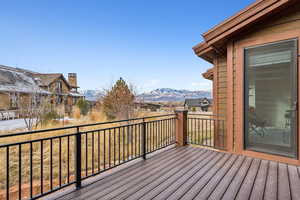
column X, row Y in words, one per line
column 239, row 95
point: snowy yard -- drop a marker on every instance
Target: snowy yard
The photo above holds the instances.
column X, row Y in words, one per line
column 8, row 125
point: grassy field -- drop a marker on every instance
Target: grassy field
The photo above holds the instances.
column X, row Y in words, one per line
column 206, row 131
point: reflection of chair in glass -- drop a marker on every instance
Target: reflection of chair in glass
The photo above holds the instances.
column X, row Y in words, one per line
column 288, row 122
column 256, row 124
column 288, row 117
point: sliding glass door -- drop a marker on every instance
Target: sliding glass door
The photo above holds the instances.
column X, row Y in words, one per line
column 271, row 98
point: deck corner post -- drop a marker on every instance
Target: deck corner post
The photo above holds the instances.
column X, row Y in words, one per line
column 181, row 127
column 78, row 158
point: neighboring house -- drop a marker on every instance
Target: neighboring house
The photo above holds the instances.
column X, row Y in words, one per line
column 19, row 85
column 199, row 104
column 255, row 73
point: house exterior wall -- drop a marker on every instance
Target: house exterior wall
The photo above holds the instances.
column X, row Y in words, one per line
column 220, row 87
column 68, row 101
column 53, row 86
column 286, row 26
column 5, row 101
column 220, row 98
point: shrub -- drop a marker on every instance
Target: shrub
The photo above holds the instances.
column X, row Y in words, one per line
column 83, row 106
column 49, row 117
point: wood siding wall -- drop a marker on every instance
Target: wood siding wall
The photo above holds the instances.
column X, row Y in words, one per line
column 5, row 101
column 53, row 86
column 221, row 63
column 220, row 98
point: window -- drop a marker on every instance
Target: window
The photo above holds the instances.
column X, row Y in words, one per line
column 14, row 100
column 59, row 87
column 36, row 99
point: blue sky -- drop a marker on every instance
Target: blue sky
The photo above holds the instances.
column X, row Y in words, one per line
column 147, row 42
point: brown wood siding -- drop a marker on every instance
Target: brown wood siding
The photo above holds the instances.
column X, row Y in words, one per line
column 5, row 101
column 221, row 85
column 220, row 97
column 52, row 87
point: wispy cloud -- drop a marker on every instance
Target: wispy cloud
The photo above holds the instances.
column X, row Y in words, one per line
column 207, row 85
column 149, row 85
column 152, row 83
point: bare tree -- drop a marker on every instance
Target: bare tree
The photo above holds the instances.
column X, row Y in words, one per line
column 33, row 108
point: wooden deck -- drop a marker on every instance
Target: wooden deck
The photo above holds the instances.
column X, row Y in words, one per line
column 195, row 173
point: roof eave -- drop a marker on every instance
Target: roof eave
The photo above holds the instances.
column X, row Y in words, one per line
column 232, row 26
column 244, row 18
column 204, row 51
column 209, row 74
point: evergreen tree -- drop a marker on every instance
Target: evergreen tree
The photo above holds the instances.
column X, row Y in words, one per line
column 118, row 103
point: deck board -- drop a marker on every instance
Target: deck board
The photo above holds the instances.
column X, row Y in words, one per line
column 115, row 177
column 284, row 187
column 226, row 180
column 184, row 188
column 132, row 181
column 236, row 183
column 294, row 182
column 136, row 184
column 114, row 181
column 196, row 173
column 165, row 192
column 212, row 184
column 198, row 186
column 248, row 183
column 260, row 182
column 272, row 181
column 166, row 180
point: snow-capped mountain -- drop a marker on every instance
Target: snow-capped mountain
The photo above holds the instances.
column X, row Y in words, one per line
column 161, row 95
column 168, row 94
column 92, row 95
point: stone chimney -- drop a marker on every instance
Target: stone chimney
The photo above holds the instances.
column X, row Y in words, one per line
column 72, row 79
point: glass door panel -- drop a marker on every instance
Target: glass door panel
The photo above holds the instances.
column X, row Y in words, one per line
column 271, row 98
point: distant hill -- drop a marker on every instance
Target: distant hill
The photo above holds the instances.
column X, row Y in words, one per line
column 92, row 95
column 158, row 95
column 168, row 94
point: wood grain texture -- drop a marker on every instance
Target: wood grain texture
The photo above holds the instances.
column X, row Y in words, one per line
column 196, row 173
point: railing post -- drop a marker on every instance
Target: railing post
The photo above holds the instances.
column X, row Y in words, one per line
column 181, row 127
column 78, row 158
column 144, row 139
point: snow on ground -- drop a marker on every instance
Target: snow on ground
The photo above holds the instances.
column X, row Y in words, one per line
column 8, row 125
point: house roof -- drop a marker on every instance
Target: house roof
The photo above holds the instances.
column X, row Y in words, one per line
column 24, row 81
column 74, row 94
column 244, row 19
column 14, row 81
column 209, row 74
column 195, row 102
column 47, row 79
column 147, row 104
